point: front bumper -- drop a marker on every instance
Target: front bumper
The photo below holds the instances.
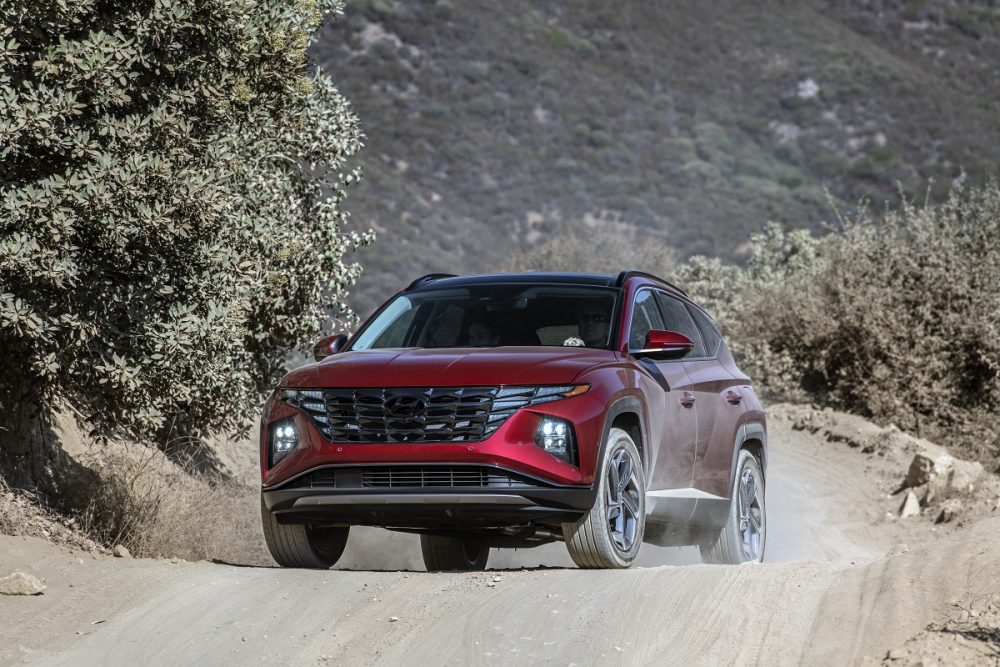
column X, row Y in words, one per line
column 335, row 495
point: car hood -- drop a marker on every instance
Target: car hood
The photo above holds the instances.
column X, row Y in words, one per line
column 449, row 367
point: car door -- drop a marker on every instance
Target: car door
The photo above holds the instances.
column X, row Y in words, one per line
column 716, row 393
column 673, row 423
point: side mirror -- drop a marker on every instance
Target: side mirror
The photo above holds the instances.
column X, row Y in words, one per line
column 329, row 345
column 664, row 345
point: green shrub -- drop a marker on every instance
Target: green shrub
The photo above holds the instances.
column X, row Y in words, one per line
column 170, row 207
column 482, row 105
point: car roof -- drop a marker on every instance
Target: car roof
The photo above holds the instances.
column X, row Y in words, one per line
column 439, row 280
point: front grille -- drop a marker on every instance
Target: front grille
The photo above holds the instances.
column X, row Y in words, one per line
column 422, row 414
column 414, row 477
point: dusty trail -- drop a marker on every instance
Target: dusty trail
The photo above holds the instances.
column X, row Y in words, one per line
column 834, row 599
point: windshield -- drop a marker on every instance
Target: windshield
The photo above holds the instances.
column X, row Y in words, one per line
column 493, row 316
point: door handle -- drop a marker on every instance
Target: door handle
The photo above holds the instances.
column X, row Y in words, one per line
column 734, row 397
column 687, row 399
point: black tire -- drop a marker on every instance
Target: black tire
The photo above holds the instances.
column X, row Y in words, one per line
column 735, row 543
column 304, row 546
column 453, row 553
column 603, row 538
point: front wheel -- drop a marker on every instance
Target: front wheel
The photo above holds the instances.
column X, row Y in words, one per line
column 741, row 540
column 610, row 535
column 296, row 545
column 453, row 553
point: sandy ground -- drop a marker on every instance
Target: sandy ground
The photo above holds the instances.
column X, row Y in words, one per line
column 840, row 584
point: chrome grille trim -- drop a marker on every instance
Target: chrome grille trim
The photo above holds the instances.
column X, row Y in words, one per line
column 417, row 414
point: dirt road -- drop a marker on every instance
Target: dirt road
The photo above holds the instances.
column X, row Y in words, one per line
column 828, row 595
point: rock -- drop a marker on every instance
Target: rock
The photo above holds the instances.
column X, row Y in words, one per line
column 933, row 490
column 121, row 552
column 910, row 506
column 19, row 583
column 964, row 474
column 898, row 654
column 927, row 464
column 393, row 619
column 854, row 431
column 949, row 510
column 807, row 89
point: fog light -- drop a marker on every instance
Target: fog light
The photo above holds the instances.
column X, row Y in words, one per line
column 556, row 437
column 283, row 440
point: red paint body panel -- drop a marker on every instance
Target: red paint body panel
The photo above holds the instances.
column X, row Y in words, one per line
column 450, row 367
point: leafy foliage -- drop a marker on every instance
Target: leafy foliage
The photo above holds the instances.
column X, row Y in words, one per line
column 171, row 181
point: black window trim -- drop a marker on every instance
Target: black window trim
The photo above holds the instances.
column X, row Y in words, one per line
column 686, row 304
column 635, row 298
column 718, row 345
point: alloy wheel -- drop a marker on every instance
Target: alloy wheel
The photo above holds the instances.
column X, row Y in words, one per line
column 623, row 500
column 751, row 509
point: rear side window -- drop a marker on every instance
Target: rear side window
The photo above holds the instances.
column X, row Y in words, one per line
column 645, row 316
column 677, row 318
column 708, row 331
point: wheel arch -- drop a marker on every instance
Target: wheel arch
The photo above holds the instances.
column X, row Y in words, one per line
column 628, row 414
column 751, row 436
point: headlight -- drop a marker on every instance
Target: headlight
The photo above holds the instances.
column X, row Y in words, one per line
column 555, row 436
column 284, row 438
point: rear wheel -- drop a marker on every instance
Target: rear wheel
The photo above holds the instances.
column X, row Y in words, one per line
column 610, row 535
column 453, row 553
column 741, row 540
column 305, row 546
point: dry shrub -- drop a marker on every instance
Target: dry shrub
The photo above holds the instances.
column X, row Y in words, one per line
column 894, row 317
column 156, row 509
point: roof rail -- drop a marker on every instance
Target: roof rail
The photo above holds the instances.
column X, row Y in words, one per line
column 430, row 277
column 631, row 273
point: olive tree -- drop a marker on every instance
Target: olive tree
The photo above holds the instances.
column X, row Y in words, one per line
column 172, row 174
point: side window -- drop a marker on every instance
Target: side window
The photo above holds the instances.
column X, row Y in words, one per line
column 645, row 316
column 678, row 319
column 708, row 331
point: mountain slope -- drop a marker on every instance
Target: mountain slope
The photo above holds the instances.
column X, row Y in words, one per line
column 491, row 124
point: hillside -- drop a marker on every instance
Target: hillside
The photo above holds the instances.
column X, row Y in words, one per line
column 491, row 125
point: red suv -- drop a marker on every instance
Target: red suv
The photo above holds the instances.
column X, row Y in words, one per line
column 517, row 409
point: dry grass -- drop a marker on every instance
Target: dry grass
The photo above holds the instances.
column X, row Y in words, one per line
column 138, row 497
column 151, row 508
column 156, row 509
